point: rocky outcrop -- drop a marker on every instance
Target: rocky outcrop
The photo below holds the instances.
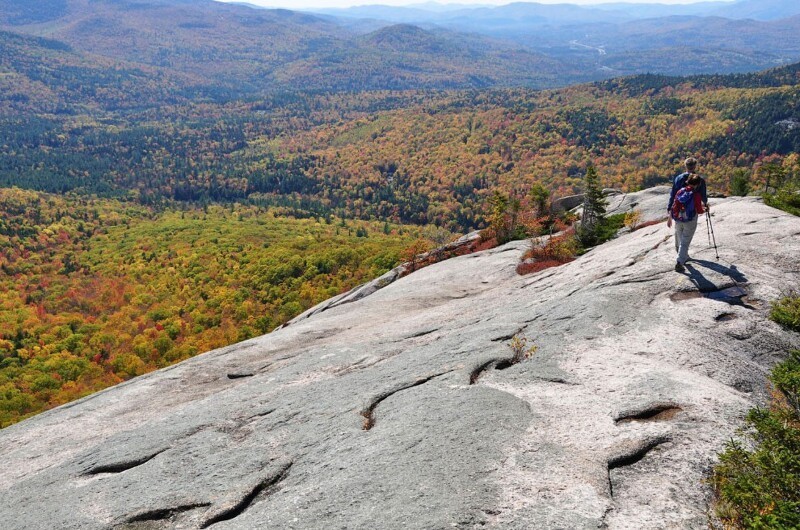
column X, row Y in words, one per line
column 460, row 245
column 402, row 410
column 570, row 202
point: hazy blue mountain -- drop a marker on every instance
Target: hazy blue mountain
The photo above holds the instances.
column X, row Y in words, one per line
column 15, row 13
column 664, row 10
column 519, row 14
column 253, row 50
column 621, row 38
column 237, row 49
column 760, row 9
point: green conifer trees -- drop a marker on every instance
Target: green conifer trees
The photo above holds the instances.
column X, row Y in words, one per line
column 594, row 209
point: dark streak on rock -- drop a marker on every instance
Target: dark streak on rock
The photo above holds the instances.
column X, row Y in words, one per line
column 478, row 371
column 502, row 250
column 240, row 375
column 369, row 411
column 659, row 412
column 119, row 467
column 509, row 336
column 499, row 364
column 261, row 414
column 724, row 317
column 165, row 513
column 244, row 503
column 421, row 333
column 630, row 281
column 264, row 367
column 504, row 364
column 234, row 348
column 286, row 420
column 558, row 380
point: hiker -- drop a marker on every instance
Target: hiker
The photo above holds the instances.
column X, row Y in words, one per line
column 687, row 200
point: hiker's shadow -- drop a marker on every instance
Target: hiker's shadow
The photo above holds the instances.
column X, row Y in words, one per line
column 704, row 285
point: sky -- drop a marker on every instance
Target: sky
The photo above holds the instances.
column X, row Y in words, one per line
column 307, row 4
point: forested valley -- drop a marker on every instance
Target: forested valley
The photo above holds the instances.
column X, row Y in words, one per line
column 95, row 291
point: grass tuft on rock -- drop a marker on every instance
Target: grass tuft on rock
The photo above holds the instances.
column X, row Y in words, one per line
column 786, row 312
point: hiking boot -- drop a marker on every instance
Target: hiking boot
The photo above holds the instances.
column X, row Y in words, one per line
column 679, row 267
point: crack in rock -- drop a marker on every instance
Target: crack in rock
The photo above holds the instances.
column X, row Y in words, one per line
column 557, row 380
column 502, row 363
column 125, row 465
column 479, row 370
column 658, row 412
column 629, row 458
column 630, row 280
column 642, row 255
column 286, row 420
column 420, row 333
column 240, row 375
column 509, row 336
column 369, row 412
column 261, row 414
column 162, row 514
column 239, row 504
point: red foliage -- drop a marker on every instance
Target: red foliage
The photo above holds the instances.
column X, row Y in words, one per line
column 648, row 223
column 536, row 266
column 483, row 245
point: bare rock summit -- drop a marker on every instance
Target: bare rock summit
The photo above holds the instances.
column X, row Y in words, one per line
column 402, row 409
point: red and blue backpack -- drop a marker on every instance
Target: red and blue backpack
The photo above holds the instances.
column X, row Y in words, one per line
column 683, row 208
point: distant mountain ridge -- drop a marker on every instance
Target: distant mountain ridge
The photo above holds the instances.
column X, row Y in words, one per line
column 256, row 50
column 570, row 13
column 621, row 39
column 759, row 9
column 234, row 49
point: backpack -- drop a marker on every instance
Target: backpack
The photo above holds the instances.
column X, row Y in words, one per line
column 683, row 207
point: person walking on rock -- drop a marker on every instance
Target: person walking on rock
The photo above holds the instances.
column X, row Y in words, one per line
column 687, row 200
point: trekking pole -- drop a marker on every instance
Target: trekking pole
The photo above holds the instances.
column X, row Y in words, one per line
column 711, row 228
column 708, row 229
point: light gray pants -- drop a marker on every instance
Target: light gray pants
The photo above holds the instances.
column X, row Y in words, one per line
column 684, row 232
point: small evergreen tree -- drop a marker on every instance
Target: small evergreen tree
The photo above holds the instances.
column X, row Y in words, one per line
column 498, row 205
column 594, row 208
column 740, row 183
column 539, row 199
